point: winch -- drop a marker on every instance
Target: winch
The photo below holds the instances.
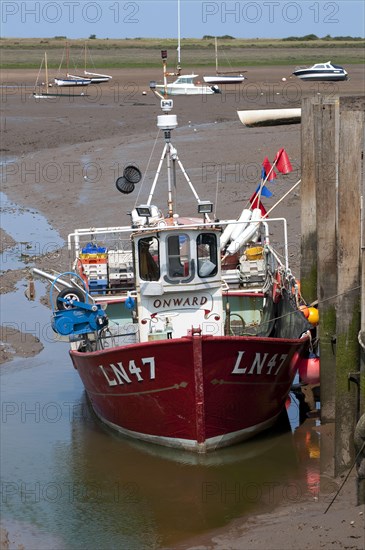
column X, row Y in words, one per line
column 73, row 315
column 82, row 318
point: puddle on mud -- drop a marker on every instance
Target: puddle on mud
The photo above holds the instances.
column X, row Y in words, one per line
column 33, row 234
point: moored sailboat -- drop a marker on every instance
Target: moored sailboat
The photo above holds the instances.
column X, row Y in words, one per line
column 68, row 80
column 95, row 78
column 42, row 90
column 223, row 77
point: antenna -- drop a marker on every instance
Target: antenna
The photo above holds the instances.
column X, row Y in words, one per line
column 168, row 122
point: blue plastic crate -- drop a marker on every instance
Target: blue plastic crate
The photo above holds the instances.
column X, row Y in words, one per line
column 92, row 248
column 98, row 286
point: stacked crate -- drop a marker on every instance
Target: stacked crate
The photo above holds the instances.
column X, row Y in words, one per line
column 94, row 262
column 120, row 269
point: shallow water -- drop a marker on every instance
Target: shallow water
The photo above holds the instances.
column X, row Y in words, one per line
column 33, row 234
column 69, row 482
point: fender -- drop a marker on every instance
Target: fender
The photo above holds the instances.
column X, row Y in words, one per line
column 247, row 233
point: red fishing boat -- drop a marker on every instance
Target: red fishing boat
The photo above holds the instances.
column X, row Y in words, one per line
column 186, row 332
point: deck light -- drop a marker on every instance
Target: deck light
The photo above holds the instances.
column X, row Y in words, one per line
column 144, row 210
column 205, row 207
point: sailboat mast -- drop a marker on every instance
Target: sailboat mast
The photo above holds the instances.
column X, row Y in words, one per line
column 67, row 57
column 178, row 36
column 46, row 66
column 216, row 55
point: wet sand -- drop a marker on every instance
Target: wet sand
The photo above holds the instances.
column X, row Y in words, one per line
column 63, row 157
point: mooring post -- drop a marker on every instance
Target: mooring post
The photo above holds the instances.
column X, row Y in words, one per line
column 308, row 267
column 348, row 285
column 326, row 132
column 362, row 332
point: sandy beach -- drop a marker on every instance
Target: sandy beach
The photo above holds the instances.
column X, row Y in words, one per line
column 61, row 158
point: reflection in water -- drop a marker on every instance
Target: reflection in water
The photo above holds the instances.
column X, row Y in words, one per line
column 162, row 495
column 70, row 478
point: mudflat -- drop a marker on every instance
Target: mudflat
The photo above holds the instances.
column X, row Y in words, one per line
column 61, row 156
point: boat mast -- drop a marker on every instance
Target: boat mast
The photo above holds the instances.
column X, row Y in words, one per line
column 216, row 56
column 67, row 58
column 178, row 39
column 46, row 66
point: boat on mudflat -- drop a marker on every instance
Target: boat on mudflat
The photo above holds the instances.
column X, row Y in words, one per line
column 321, row 71
column 95, row 78
column 72, row 81
column 186, row 331
column 186, row 84
column 269, row 117
column 223, row 77
column 69, row 80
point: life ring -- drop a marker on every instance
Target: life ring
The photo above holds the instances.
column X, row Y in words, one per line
column 276, row 287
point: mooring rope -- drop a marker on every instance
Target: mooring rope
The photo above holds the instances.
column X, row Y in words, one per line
column 346, row 478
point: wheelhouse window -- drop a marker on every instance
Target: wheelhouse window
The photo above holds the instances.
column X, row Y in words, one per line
column 178, row 256
column 207, row 255
column 149, row 259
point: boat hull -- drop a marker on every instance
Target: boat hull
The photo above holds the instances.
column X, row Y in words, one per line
column 180, row 89
column 92, row 77
column 324, row 76
column 266, row 117
column 223, row 79
column 46, row 95
column 197, row 393
column 64, row 82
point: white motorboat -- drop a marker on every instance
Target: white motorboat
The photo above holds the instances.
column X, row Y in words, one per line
column 321, row 71
column 186, row 85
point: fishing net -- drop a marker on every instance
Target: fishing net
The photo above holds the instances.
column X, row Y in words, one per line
column 282, row 320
